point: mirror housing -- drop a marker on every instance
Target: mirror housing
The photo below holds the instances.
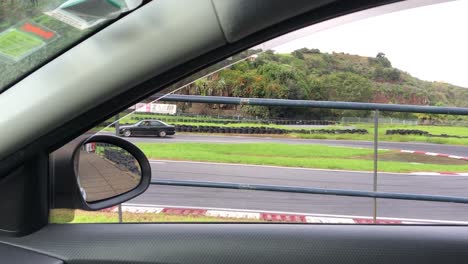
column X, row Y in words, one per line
column 65, row 185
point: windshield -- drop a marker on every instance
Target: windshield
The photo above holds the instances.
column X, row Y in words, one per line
column 32, row 32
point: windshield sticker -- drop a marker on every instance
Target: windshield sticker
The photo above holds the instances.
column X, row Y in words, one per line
column 28, row 27
column 20, row 42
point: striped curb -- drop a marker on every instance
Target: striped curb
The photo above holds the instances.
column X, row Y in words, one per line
column 442, row 173
column 434, row 154
column 282, row 217
column 276, row 216
column 184, row 211
column 265, row 216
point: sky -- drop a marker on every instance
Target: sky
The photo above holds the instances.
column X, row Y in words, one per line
column 429, row 42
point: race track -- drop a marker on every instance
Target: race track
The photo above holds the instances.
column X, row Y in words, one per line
column 304, row 203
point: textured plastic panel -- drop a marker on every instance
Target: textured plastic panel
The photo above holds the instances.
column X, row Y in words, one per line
column 10, row 254
column 161, row 35
column 249, row 243
column 241, row 18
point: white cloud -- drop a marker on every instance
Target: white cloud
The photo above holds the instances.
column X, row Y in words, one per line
column 429, row 42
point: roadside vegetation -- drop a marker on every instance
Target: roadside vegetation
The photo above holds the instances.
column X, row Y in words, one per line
column 309, row 74
column 304, row 156
column 435, row 130
column 69, row 216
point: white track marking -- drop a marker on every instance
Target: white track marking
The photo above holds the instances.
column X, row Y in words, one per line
column 141, row 209
column 329, row 220
column 232, row 214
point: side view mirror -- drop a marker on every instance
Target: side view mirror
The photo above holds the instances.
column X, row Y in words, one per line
column 100, row 171
column 109, row 171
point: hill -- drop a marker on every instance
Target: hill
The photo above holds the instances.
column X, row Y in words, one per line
column 309, row 74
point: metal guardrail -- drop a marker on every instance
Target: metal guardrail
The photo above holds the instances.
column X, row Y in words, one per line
column 320, row 191
column 315, row 104
column 321, row 104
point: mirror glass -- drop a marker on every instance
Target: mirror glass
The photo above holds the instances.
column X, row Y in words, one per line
column 105, row 171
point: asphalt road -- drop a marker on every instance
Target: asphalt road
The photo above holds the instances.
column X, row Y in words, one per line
column 438, row 148
column 304, row 203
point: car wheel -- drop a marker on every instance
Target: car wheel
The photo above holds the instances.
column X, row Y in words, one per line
column 127, row 133
column 162, row 133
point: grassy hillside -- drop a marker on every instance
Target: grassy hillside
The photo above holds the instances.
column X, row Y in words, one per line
column 309, row 74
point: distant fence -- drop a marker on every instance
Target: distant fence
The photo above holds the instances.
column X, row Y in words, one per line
column 382, row 120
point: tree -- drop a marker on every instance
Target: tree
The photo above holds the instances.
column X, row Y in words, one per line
column 386, row 74
column 380, row 55
column 298, row 54
column 382, row 60
column 345, row 86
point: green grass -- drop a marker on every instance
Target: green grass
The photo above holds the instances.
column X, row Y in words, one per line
column 62, row 216
column 387, row 138
column 436, row 130
column 304, row 156
column 101, row 128
column 15, row 43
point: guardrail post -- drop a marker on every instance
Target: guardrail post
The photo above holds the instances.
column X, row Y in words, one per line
column 120, row 213
column 376, row 157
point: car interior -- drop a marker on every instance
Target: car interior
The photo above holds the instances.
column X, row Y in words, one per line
column 139, row 54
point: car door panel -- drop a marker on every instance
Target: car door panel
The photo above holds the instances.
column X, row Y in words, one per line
column 248, row 243
column 141, row 131
column 156, row 127
column 13, row 254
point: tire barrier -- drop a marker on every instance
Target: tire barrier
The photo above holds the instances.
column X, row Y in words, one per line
column 263, row 130
column 229, row 130
column 419, row 133
column 123, row 159
column 304, row 122
column 406, row 132
column 332, row 131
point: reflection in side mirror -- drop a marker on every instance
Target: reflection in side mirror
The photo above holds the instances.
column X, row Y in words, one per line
column 104, row 171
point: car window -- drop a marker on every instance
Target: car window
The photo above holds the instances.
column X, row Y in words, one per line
column 277, row 117
column 156, row 123
column 33, row 32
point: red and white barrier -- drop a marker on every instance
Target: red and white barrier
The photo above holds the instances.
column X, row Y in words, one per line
column 434, row 154
column 274, row 216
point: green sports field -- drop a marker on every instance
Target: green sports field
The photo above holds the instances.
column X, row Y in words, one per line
column 15, row 44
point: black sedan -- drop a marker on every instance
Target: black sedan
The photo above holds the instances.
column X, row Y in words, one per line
column 147, row 128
